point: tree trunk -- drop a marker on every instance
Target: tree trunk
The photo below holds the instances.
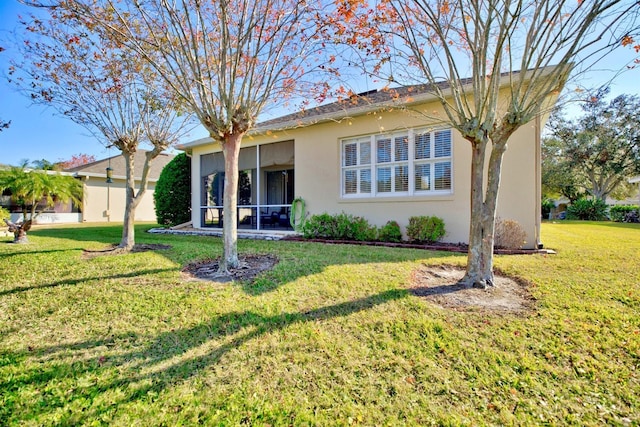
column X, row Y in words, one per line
column 128, row 230
column 20, row 236
column 231, row 151
column 484, row 205
column 475, row 257
column 490, row 210
column 19, row 230
column 133, row 200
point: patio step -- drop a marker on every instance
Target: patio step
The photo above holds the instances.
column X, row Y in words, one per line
column 242, row 234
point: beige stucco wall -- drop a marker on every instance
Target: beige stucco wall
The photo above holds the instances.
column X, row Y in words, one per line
column 318, row 171
column 100, row 197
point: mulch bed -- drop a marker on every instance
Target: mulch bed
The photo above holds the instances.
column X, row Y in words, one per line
column 441, row 285
column 115, row 250
column 448, row 247
column 250, row 267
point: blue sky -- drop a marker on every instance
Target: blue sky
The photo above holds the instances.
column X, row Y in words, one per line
column 37, row 133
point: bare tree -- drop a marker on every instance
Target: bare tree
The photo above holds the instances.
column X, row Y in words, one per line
column 3, row 124
column 67, row 65
column 494, row 65
column 227, row 59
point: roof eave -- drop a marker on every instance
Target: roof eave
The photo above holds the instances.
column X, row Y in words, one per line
column 337, row 116
column 102, row 175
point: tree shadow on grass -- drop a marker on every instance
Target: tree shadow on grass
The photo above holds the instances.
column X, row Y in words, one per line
column 36, row 252
column 152, row 365
column 295, row 258
column 87, row 233
column 83, row 279
column 293, row 265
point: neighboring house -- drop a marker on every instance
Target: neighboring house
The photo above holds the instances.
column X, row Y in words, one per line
column 367, row 157
column 105, row 201
column 636, row 180
column 59, row 213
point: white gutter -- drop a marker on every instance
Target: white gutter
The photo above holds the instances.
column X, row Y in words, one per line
column 349, row 112
column 103, row 175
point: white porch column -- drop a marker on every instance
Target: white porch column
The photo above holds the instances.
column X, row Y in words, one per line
column 196, row 182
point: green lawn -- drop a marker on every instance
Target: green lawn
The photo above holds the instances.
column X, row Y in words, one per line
column 331, row 336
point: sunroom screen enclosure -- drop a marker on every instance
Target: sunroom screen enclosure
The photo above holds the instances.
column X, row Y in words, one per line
column 265, row 187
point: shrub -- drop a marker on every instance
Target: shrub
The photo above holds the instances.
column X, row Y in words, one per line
column 618, row 213
column 350, row 227
column 390, row 232
column 425, row 229
column 509, row 234
column 319, row 226
column 172, row 195
column 588, row 210
column 341, row 226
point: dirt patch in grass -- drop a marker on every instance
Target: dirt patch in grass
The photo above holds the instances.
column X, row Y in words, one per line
column 441, row 285
column 115, row 250
column 250, row 267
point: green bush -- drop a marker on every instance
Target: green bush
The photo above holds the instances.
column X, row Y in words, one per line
column 390, row 232
column 320, row 226
column 425, row 229
column 172, row 195
column 588, row 210
column 350, row 227
column 341, row 227
column 618, row 213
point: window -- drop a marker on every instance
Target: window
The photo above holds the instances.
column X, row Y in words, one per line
column 392, row 170
column 413, row 162
column 356, row 166
column 432, row 166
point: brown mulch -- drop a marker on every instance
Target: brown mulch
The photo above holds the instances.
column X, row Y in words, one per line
column 250, row 267
column 438, row 246
column 441, row 285
column 115, row 250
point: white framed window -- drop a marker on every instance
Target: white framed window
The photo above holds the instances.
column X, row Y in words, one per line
column 392, row 163
column 412, row 162
column 432, row 161
column 356, row 166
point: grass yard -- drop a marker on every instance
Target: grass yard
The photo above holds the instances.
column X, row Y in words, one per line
column 331, row 336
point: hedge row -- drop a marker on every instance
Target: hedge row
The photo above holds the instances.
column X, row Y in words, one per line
column 622, row 213
column 423, row 229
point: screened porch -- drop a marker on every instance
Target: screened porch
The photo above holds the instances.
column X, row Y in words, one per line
column 265, row 187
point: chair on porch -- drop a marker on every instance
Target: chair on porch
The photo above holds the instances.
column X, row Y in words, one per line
column 283, row 219
column 275, row 216
column 265, row 218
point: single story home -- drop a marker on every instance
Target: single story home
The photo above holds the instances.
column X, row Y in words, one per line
column 58, row 213
column 367, row 157
column 104, row 199
column 636, row 180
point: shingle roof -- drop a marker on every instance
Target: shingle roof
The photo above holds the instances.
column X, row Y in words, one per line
column 356, row 104
column 99, row 167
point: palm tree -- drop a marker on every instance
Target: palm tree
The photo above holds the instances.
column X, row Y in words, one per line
column 34, row 191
